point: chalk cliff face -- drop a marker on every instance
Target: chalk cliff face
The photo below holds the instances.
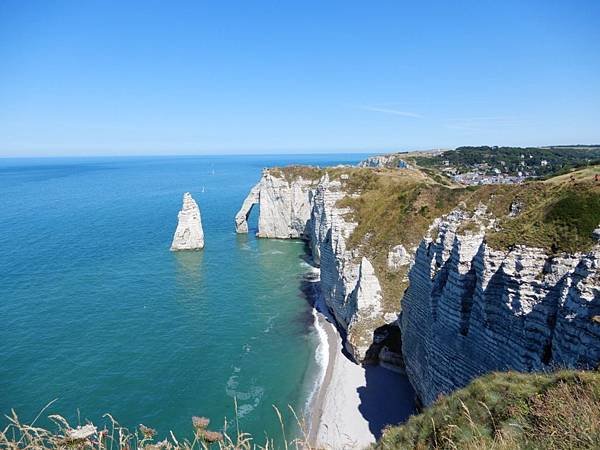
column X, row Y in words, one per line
column 348, row 282
column 284, row 207
column 470, row 309
column 307, row 209
column 189, row 234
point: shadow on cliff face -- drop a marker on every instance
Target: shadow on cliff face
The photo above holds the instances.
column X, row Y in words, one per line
column 310, row 286
column 386, row 399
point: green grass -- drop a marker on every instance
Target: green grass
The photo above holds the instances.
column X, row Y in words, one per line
column 508, row 411
column 558, row 216
column 291, row 173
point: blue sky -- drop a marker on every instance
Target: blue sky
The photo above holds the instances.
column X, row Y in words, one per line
column 172, row 77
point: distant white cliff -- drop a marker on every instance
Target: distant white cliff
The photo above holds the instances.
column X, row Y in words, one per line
column 189, row 234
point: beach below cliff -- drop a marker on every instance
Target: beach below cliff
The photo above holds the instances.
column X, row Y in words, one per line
column 355, row 402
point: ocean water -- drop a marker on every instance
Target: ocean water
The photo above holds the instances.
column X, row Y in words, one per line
column 97, row 313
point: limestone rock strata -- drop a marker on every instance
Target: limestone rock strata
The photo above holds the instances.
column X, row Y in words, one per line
column 241, row 218
column 189, row 234
column 470, row 309
column 348, row 281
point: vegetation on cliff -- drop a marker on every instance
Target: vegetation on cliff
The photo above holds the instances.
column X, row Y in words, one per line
column 508, row 410
column 291, row 173
column 397, row 207
column 394, row 207
column 557, row 215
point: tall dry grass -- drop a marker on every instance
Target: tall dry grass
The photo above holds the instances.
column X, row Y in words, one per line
column 114, row 436
column 508, row 411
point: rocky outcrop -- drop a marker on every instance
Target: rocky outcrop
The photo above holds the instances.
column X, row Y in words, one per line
column 398, row 257
column 284, row 207
column 470, row 309
column 189, row 234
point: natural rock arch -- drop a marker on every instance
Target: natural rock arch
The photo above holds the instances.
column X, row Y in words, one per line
column 241, row 218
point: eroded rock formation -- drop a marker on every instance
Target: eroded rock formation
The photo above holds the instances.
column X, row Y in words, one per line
column 241, row 218
column 470, row 309
column 189, row 234
column 284, row 207
column 398, row 257
column 348, row 281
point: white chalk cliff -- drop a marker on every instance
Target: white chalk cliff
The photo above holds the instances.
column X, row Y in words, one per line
column 470, row 309
column 189, row 234
column 284, row 207
column 348, row 282
column 307, row 209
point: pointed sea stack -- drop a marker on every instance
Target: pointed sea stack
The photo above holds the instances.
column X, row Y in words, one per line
column 189, row 234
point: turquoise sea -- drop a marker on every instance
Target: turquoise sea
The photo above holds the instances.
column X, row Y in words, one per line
column 97, row 313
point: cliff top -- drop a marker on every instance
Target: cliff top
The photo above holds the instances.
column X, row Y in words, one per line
column 508, row 410
column 291, row 173
column 397, row 206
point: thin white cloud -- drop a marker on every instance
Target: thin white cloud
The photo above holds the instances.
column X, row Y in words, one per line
column 485, row 119
column 476, row 124
column 395, row 112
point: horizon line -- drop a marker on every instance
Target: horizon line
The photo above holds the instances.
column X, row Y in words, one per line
column 287, row 152
column 257, row 153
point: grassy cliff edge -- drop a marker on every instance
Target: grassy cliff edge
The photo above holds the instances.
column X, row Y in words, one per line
column 508, row 410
